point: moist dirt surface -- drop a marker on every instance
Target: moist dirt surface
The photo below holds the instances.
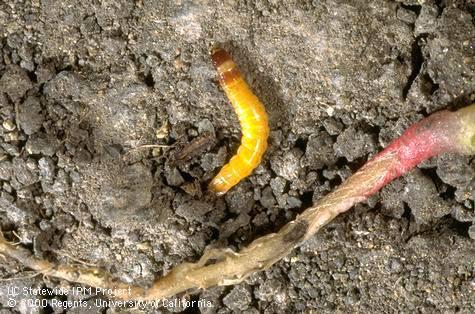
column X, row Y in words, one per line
column 101, row 100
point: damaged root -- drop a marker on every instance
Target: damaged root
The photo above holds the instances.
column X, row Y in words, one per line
column 91, row 276
column 439, row 133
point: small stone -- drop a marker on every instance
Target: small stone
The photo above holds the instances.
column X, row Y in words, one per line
column 287, row 166
column 319, row 151
column 62, row 182
column 293, row 202
column 338, row 262
column 40, row 143
column 269, row 290
column 89, row 26
column 232, row 225
column 312, row 178
column 15, row 82
column 156, row 151
column 6, row 197
column 63, row 221
column 7, row 187
column 455, row 170
column 11, row 137
column 192, row 133
column 281, row 200
column 78, row 135
column 47, row 168
column 193, row 210
column 22, row 173
column 464, row 195
column 240, row 199
column 471, row 232
column 406, row 15
column 276, row 137
column 332, row 126
column 239, row 298
column 45, row 225
column 113, row 151
column 173, row 176
column 422, row 197
column 354, row 143
column 27, row 65
column 267, row 198
column 211, row 161
column 278, row 185
column 67, row 84
column 15, row 40
column 27, row 234
column 162, row 132
column 144, row 246
column 344, row 173
column 395, row 265
column 427, row 20
column 22, row 214
column 463, row 214
column 260, row 219
column 8, row 125
column 6, row 170
column 31, row 164
column 11, row 149
column 352, row 296
column 44, row 73
column 261, row 177
column 82, row 156
column 205, row 126
column 392, row 203
column 75, row 176
column 24, row 193
column 329, row 174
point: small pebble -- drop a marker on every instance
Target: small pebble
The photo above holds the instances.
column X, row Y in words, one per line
column 31, row 164
column 239, row 298
column 471, row 232
column 8, row 125
column 11, row 137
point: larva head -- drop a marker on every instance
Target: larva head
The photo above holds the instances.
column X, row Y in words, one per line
column 219, row 56
column 227, row 69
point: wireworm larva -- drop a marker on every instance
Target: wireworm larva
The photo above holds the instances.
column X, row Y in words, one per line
column 252, row 118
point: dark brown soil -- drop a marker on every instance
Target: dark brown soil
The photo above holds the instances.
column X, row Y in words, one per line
column 85, row 85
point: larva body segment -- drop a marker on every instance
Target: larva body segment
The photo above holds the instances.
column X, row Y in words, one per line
column 252, row 118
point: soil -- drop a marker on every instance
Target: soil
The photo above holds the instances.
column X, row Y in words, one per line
column 87, row 87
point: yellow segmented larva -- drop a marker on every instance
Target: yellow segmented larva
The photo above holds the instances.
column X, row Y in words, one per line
column 252, row 117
